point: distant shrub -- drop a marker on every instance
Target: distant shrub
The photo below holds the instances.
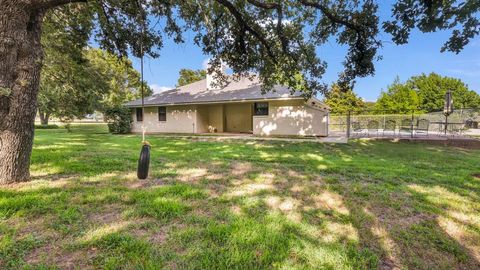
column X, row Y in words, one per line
column 68, row 126
column 46, row 126
column 118, row 119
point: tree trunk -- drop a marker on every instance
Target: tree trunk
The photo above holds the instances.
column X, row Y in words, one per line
column 44, row 116
column 20, row 63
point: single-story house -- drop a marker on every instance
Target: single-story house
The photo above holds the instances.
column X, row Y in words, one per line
column 237, row 107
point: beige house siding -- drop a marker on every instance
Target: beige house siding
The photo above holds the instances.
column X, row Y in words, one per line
column 291, row 118
column 286, row 117
column 180, row 119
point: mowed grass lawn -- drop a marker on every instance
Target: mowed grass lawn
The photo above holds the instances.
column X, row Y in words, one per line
column 241, row 205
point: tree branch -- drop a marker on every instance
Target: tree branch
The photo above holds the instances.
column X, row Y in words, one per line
column 332, row 17
column 47, row 4
column 238, row 16
column 109, row 31
column 263, row 5
column 283, row 40
column 279, row 8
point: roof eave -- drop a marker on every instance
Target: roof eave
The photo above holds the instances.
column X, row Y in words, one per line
column 214, row 102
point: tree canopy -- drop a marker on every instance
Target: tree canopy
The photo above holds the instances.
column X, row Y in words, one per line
column 123, row 81
column 426, row 93
column 276, row 39
column 93, row 81
column 398, row 98
column 462, row 17
column 77, row 80
column 70, row 86
column 188, row 76
column 432, row 88
column 341, row 101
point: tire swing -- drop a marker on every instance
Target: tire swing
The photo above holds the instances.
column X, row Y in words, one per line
column 144, row 159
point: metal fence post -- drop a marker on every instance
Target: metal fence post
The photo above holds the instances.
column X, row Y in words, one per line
column 348, row 124
column 411, row 123
column 384, row 122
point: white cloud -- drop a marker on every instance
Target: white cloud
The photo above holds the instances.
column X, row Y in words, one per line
column 157, row 88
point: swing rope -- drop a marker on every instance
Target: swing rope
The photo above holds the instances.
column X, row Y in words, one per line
column 141, row 78
column 144, row 159
column 141, row 88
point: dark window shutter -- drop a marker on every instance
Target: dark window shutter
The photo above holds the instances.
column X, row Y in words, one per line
column 139, row 112
column 162, row 114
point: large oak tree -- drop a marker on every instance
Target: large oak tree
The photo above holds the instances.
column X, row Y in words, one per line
column 276, row 39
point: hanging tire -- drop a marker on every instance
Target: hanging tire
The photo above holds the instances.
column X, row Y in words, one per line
column 143, row 162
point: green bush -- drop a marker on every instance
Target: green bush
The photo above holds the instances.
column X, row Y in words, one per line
column 118, row 119
column 46, row 126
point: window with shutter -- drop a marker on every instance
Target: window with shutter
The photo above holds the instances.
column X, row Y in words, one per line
column 162, row 114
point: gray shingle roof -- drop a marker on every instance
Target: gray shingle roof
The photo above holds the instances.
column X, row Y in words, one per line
column 197, row 92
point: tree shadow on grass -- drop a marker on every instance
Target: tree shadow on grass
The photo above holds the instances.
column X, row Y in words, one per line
column 407, row 231
column 362, row 205
column 394, row 224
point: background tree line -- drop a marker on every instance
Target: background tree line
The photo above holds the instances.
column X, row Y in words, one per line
column 424, row 93
column 77, row 80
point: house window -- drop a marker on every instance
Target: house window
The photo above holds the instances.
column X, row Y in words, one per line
column 139, row 112
column 260, row 108
column 162, row 114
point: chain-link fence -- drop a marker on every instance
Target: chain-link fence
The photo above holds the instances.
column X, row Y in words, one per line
column 375, row 123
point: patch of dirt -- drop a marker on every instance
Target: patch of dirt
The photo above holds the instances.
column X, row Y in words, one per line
column 215, row 190
column 240, row 168
column 387, row 264
column 295, row 175
column 55, row 254
column 53, row 251
column 55, row 180
column 109, row 214
column 476, row 176
column 54, row 177
column 415, row 219
column 390, row 218
column 154, row 234
column 139, row 184
column 158, row 237
column 318, row 181
column 24, row 227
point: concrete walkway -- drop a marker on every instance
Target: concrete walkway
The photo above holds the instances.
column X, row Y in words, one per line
column 250, row 137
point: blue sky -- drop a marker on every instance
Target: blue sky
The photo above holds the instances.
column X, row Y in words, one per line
column 421, row 55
